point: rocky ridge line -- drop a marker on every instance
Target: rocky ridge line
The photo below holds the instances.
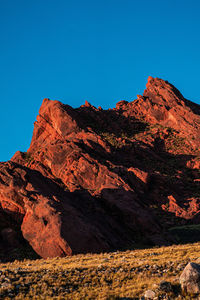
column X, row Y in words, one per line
column 96, row 180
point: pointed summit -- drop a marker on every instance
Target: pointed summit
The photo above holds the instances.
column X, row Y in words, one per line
column 161, row 91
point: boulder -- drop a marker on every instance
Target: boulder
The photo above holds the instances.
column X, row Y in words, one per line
column 149, row 294
column 190, row 278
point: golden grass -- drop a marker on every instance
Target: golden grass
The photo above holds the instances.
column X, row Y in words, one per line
column 96, row 276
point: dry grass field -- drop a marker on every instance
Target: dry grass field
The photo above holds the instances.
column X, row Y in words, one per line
column 118, row 275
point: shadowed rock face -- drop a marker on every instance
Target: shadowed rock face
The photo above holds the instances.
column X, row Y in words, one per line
column 96, row 180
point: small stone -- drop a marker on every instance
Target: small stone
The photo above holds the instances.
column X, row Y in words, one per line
column 6, row 285
column 7, row 279
column 149, row 294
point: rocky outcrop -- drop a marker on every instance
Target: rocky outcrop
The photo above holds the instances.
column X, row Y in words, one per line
column 96, row 180
column 163, row 104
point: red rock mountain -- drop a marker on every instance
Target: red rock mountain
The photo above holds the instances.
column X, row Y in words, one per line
column 98, row 180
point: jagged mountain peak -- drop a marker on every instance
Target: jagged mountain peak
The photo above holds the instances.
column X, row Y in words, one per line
column 96, row 180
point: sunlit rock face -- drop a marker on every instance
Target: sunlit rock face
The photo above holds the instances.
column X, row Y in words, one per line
column 98, row 180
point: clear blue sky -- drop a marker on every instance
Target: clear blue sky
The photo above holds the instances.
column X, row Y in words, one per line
column 99, row 50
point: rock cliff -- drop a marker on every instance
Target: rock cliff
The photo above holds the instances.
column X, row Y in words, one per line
column 98, row 180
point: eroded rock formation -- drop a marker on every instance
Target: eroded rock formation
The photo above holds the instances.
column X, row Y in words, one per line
column 96, row 180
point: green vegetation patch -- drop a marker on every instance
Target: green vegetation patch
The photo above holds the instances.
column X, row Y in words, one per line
column 27, row 157
column 186, row 233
